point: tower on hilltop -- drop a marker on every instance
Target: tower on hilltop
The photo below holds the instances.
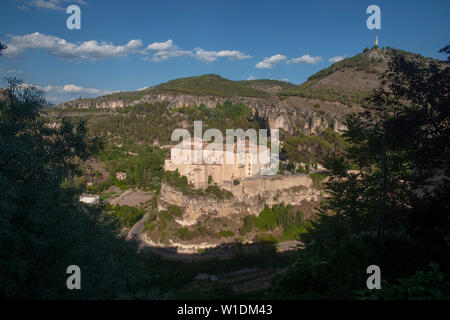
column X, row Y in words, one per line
column 376, row 41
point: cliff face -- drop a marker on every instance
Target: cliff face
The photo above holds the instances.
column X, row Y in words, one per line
column 290, row 115
column 173, row 100
column 248, row 198
column 294, row 116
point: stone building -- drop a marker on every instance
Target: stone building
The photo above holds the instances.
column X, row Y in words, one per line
column 206, row 163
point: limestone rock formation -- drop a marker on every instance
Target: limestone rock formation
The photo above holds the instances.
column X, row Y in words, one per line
column 249, row 198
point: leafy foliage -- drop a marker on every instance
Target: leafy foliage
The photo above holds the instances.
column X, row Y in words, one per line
column 43, row 226
column 290, row 220
column 430, row 285
column 146, row 123
column 181, row 183
column 127, row 215
column 310, row 149
column 394, row 210
column 210, row 84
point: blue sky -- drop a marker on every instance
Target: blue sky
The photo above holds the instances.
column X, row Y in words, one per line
column 128, row 45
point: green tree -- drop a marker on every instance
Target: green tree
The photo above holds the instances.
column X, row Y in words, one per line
column 393, row 210
column 43, row 226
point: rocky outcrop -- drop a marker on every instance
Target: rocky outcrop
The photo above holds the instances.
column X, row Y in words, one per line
column 294, row 118
column 173, row 100
column 272, row 113
column 249, row 198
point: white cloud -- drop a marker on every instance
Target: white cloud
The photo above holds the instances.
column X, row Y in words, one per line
column 268, row 63
column 164, row 50
column 337, row 58
column 74, row 89
column 210, row 56
column 306, row 59
column 166, row 54
column 161, row 45
column 285, row 79
column 49, row 4
column 15, row 71
column 93, row 50
column 53, row 99
column 88, row 50
column 251, row 78
column 67, row 91
column 161, row 51
column 140, row 89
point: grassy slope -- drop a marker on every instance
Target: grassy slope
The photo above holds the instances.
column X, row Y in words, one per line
column 350, row 80
column 209, row 84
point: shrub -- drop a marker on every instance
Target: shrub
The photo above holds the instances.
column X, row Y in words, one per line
column 149, row 225
column 248, row 225
column 316, row 177
column 127, row 215
column 174, row 210
column 266, row 237
column 226, row 233
column 266, row 219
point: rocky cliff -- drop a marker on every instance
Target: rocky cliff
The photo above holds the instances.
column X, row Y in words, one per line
column 249, row 198
column 291, row 115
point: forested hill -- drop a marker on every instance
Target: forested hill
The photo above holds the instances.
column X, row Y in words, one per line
column 213, row 84
column 348, row 82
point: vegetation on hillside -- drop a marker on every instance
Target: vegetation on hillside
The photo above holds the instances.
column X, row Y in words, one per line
column 204, row 85
column 127, row 215
column 155, row 122
column 290, row 220
column 209, row 84
column 179, row 182
column 394, row 211
column 305, row 151
column 371, row 63
column 44, row 228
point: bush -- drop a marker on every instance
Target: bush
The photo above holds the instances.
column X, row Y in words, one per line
column 100, row 187
column 149, row 225
column 248, row 225
column 266, row 237
column 291, row 221
column 127, row 215
column 266, row 219
column 226, row 233
column 174, row 210
column 422, row 285
column 317, row 178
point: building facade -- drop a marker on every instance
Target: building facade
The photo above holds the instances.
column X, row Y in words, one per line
column 206, row 163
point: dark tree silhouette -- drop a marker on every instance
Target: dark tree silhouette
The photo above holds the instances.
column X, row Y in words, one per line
column 394, row 211
column 44, row 227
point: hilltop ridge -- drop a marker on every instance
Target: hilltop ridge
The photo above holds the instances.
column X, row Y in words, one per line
column 321, row 102
column 348, row 81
